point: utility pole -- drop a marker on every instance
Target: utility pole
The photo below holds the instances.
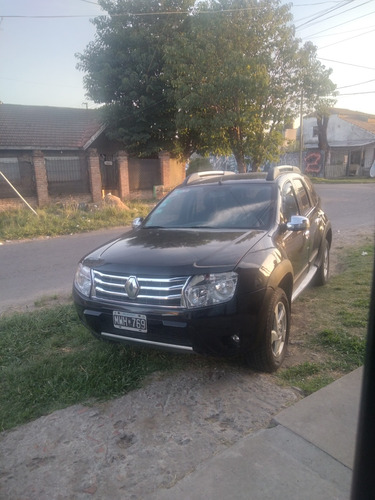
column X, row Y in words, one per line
column 301, row 132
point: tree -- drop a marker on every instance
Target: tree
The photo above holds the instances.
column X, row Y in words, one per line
column 208, row 76
column 238, row 73
column 124, row 69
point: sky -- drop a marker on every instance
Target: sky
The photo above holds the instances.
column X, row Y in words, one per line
column 39, row 40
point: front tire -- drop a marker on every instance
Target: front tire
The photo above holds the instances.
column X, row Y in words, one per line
column 270, row 351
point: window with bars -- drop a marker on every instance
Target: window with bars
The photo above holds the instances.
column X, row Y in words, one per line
column 11, row 169
column 66, row 175
column 63, row 169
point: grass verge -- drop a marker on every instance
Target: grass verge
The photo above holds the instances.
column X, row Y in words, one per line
column 49, row 361
column 335, row 324
column 58, row 220
column 344, row 180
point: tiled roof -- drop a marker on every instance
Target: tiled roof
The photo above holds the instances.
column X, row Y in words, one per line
column 364, row 122
column 44, row 127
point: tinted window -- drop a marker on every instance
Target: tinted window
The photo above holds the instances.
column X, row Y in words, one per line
column 311, row 191
column 289, row 205
column 302, row 197
column 231, row 206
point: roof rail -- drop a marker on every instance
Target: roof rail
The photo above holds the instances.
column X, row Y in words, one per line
column 274, row 172
column 207, row 173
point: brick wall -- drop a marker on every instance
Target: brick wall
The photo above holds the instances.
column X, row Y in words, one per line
column 94, row 175
column 40, row 178
column 123, row 174
column 166, row 172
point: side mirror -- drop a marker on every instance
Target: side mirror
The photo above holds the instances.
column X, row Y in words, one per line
column 298, row 223
column 137, row 222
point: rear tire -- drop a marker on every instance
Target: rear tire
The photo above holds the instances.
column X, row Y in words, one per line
column 270, row 352
column 322, row 274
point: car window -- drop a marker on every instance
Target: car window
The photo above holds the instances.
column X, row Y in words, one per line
column 311, row 191
column 302, row 197
column 289, row 204
column 219, row 206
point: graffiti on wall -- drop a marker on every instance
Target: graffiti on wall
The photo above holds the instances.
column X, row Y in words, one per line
column 313, row 162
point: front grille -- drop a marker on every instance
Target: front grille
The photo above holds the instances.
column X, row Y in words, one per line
column 152, row 291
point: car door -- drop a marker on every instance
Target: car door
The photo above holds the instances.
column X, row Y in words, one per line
column 309, row 209
column 295, row 243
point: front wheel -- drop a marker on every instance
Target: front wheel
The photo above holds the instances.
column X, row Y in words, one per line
column 271, row 349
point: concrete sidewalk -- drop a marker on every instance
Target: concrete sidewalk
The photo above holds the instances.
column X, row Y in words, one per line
column 307, row 455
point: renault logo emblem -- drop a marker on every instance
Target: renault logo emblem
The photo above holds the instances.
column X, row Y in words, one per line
column 132, row 287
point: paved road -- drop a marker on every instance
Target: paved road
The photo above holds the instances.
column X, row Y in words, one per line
column 33, row 269
column 349, row 206
column 45, row 267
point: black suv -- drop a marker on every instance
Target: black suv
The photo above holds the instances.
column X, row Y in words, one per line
column 213, row 268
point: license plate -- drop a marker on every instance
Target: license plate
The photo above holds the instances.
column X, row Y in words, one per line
column 130, row 321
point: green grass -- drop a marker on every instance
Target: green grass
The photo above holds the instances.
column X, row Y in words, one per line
column 48, row 361
column 337, row 318
column 343, row 180
column 59, row 220
column 308, row 377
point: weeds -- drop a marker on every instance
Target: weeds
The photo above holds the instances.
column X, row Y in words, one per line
column 69, row 219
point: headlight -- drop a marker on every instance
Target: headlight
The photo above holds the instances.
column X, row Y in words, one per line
column 82, row 280
column 209, row 289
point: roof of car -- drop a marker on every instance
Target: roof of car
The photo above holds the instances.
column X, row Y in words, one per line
column 225, row 176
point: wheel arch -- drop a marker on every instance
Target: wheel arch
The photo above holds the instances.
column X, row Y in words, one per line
column 283, row 277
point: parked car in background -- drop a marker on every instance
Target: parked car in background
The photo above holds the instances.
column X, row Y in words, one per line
column 213, row 269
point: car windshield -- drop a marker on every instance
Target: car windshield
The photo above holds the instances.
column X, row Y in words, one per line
column 222, row 206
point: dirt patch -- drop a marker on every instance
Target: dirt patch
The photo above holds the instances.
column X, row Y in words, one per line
column 149, row 439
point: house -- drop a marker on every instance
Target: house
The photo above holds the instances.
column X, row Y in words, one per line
column 351, row 140
column 51, row 154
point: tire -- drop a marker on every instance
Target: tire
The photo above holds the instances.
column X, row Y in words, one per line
column 270, row 351
column 322, row 274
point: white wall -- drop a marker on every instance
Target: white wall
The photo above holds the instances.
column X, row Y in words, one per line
column 339, row 133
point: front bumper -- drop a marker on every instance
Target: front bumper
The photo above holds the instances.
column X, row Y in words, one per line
column 220, row 330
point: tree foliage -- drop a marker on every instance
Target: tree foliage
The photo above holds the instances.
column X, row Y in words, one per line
column 211, row 76
column 239, row 74
column 124, row 71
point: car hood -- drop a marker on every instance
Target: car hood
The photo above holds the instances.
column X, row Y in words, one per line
column 171, row 251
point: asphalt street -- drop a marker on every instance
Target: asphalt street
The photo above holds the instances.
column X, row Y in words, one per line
column 34, row 269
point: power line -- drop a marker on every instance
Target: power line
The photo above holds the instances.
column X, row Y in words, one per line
column 338, row 7
column 359, row 93
column 133, row 14
column 341, row 24
column 356, row 84
column 341, row 32
column 46, row 17
column 346, row 63
column 346, row 39
column 322, row 13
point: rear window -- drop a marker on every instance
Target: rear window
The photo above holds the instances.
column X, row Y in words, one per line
column 222, row 206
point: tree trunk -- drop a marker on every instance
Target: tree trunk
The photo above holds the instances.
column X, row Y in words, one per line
column 235, row 136
column 241, row 165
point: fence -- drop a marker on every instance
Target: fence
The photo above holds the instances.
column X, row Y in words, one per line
column 20, row 173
